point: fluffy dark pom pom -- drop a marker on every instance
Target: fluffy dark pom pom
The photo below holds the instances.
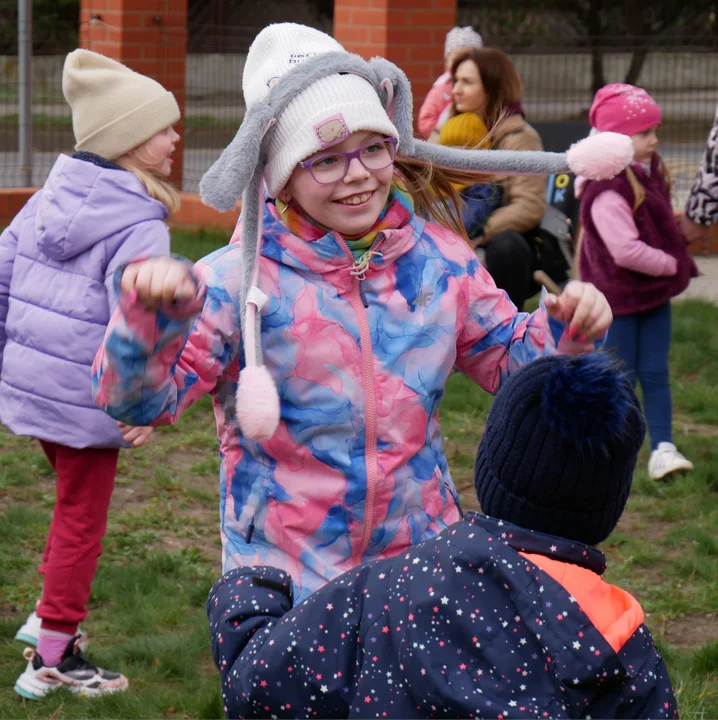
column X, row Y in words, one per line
column 587, row 400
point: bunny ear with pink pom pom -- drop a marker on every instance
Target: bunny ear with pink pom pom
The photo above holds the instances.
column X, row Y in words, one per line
column 598, row 157
column 240, row 170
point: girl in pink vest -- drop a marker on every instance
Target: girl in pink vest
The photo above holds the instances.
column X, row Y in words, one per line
column 635, row 253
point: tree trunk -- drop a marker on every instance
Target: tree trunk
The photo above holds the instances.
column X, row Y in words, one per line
column 593, row 25
column 637, row 61
column 598, row 79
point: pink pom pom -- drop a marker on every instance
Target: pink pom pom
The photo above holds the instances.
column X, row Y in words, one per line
column 601, row 156
column 257, row 403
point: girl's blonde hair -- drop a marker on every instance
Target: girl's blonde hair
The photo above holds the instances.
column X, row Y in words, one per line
column 157, row 187
column 433, row 191
column 639, row 194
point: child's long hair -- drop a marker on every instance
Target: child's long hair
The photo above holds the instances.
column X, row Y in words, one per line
column 639, row 194
column 433, row 191
column 157, row 187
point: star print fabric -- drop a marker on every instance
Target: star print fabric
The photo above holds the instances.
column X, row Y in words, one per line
column 462, row 625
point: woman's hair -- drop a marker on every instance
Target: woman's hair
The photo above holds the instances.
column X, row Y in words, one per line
column 433, row 191
column 639, row 194
column 499, row 77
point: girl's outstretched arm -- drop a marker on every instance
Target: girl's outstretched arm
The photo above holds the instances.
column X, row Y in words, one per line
column 156, row 361
column 496, row 340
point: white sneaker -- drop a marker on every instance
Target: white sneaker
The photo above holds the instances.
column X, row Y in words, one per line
column 30, row 632
column 666, row 459
column 73, row 672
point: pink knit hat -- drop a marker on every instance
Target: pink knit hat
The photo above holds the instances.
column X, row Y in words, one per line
column 624, row 109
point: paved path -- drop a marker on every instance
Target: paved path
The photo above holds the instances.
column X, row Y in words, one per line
column 705, row 286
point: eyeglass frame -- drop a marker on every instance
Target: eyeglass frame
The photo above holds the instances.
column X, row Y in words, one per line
column 307, row 164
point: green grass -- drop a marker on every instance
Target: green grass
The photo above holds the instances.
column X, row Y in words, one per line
column 195, row 245
column 162, row 549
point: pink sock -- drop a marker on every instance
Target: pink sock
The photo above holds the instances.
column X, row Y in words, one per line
column 51, row 645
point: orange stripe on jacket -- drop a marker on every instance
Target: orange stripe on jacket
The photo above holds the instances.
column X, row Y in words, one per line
column 615, row 613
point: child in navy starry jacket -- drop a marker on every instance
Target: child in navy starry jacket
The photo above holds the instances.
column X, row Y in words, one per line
column 494, row 617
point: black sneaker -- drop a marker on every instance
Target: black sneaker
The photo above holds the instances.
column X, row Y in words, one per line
column 75, row 672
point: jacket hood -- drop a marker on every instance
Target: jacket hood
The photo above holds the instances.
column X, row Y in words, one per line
column 582, row 625
column 82, row 204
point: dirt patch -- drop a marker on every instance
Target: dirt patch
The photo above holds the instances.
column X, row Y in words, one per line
column 8, row 611
column 633, row 523
column 209, row 546
column 684, row 633
column 691, row 428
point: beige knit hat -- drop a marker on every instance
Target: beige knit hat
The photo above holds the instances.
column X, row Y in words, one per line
column 114, row 109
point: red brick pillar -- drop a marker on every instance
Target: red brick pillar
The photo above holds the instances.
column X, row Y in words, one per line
column 150, row 37
column 410, row 33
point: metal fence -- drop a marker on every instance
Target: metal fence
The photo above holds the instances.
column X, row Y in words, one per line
column 558, row 89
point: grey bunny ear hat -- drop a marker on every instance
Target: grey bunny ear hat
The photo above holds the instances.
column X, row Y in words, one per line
column 304, row 93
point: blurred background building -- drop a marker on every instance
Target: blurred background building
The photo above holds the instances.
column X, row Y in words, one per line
column 563, row 49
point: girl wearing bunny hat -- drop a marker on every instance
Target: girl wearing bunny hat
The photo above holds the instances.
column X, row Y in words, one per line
column 357, row 306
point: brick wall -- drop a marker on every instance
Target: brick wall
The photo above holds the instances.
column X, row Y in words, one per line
column 149, row 36
column 410, row 33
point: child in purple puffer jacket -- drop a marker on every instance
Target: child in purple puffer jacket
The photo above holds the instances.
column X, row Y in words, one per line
column 99, row 209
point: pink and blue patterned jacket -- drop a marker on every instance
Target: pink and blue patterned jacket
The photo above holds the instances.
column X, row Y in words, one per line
column 356, row 469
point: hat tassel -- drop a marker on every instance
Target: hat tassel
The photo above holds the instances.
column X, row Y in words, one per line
column 258, row 406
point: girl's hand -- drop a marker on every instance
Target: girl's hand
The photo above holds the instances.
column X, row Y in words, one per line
column 159, row 281
column 135, row 436
column 583, row 308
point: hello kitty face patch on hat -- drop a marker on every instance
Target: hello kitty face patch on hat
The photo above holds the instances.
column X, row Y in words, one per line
column 331, row 131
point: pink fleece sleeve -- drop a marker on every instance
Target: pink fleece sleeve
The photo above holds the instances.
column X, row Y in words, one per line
column 613, row 218
column 437, row 99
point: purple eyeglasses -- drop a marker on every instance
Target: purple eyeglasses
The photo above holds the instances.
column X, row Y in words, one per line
column 333, row 167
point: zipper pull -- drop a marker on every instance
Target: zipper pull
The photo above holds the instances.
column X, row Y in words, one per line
column 363, row 296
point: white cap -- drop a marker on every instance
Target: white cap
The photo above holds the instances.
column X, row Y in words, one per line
column 460, row 38
column 323, row 114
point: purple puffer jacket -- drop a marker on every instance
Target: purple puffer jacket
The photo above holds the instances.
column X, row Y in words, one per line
column 57, row 259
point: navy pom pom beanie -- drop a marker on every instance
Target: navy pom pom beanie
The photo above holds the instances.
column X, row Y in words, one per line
column 560, row 447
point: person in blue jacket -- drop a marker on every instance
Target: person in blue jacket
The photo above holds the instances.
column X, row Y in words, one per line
column 503, row 615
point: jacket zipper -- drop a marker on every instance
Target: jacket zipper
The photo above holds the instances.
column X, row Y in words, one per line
column 360, row 304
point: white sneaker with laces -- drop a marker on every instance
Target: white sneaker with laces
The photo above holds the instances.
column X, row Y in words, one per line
column 666, row 459
column 74, row 672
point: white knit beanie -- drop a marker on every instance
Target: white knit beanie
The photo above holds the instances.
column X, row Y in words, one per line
column 114, row 109
column 323, row 114
column 460, row 38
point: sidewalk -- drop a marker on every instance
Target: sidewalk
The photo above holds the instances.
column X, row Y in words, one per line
column 705, row 286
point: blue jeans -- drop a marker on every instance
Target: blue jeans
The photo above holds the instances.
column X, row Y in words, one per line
column 642, row 342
